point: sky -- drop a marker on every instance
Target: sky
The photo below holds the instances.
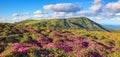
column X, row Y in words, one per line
column 101, row 11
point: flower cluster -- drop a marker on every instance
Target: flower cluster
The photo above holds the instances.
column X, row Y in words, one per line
column 17, row 45
column 23, row 50
column 26, row 28
column 30, row 29
column 64, row 47
column 63, row 41
column 43, row 40
column 50, row 45
column 19, row 48
column 32, row 45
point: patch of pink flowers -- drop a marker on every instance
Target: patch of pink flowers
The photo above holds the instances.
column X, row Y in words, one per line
column 19, row 48
column 64, row 47
column 50, row 45
column 26, row 28
column 23, row 50
column 32, row 45
column 17, row 45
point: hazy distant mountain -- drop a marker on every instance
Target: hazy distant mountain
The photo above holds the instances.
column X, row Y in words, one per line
column 113, row 26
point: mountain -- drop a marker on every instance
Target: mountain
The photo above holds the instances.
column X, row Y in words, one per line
column 68, row 23
column 113, row 26
column 116, row 28
column 22, row 39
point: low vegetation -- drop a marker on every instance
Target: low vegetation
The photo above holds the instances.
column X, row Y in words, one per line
column 22, row 40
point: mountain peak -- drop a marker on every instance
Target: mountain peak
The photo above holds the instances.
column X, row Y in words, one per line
column 67, row 23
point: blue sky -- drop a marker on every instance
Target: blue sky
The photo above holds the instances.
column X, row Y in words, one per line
column 101, row 11
column 9, row 7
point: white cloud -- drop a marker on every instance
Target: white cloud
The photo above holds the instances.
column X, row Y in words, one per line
column 17, row 19
column 26, row 13
column 37, row 12
column 58, row 14
column 20, row 15
column 84, row 13
column 94, row 10
column 96, row 7
column 6, row 20
column 62, row 7
column 113, row 7
column 117, row 14
column 106, row 20
column 40, row 14
column 97, row 2
column 15, row 14
column 69, row 15
column 2, row 19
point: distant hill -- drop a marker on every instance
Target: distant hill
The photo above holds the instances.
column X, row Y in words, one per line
column 68, row 23
column 4, row 25
column 113, row 26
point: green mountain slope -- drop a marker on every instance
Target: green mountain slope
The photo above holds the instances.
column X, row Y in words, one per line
column 69, row 23
column 24, row 40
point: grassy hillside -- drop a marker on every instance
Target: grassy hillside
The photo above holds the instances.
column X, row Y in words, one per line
column 73, row 37
column 69, row 23
column 117, row 30
column 20, row 41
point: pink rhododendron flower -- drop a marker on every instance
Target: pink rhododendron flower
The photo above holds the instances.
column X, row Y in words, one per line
column 23, row 50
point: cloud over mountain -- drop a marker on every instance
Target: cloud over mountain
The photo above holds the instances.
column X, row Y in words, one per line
column 113, row 7
column 97, row 6
column 63, row 7
column 40, row 14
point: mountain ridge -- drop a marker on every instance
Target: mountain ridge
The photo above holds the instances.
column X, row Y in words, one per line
column 66, row 23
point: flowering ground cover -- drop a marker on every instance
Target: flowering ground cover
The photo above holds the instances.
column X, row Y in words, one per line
column 30, row 42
